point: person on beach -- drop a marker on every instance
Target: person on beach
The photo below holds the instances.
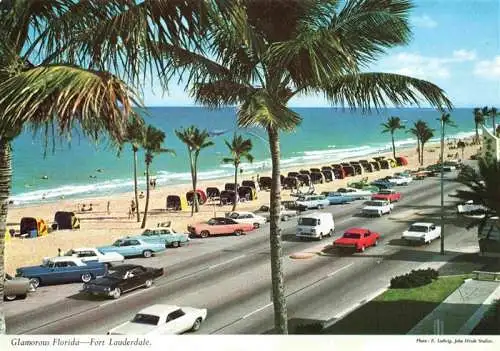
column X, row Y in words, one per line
column 107, row 207
column 129, row 212
column 132, row 206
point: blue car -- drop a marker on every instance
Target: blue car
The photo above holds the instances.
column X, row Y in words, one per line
column 64, row 269
column 382, row 184
column 129, row 247
column 336, row 197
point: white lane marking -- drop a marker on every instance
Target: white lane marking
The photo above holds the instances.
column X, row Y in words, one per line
column 257, row 310
column 340, row 269
column 226, row 262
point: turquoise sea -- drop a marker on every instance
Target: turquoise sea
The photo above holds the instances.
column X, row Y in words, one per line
column 325, row 135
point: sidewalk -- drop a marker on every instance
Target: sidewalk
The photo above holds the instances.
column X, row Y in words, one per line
column 460, row 312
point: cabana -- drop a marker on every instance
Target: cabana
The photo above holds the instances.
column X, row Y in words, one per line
column 251, row 184
column 402, row 161
column 376, row 165
column 317, row 178
column 349, row 171
column 176, row 203
column 33, row 227
column 305, row 171
column 339, row 173
column 328, row 174
column 213, row 193
column 66, row 220
column 230, row 186
column 248, row 193
column 292, row 174
column 357, row 168
column 291, row 183
column 202, row 197
column 304, row 179
column 265, row 183
column 385, row 164
column 392, row 162
column 367, row 167
column 326, row 168
column 227, row 197
column 336, row 165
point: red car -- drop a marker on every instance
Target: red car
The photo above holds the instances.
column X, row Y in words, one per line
column 390, row 195
column 219, row 225
column 357, row 238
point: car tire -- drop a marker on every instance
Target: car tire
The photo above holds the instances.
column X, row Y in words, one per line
column 320, row 207
column 176, row 244
column 256, row 225
column 196, row 324
column 35, row 282
column 362, row 249
column 148, row 283
column 380, row 214
column 9, row 297
column 320, row 236
column 238, row 232
column 147, row 253
column 204, row 234
column 116, row 293
column 86, row 277
column 375, row 243
column 330, row 233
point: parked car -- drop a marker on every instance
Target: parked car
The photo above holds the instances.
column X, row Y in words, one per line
column 399, row 180
column 162, row 320
column 93, row 254
column 16, row 287
column 390, row 195
column 121, row 279
column 355, row 194
column 383, row 184
column 315, row 225
column 377, row 208
column 168, row 236
column 470, row 208
column 422, row 232
column 219, row 225
column 358, row 239
column 285, row 214
column 335, row 197
column 247, row 217
column 313, row 201
column 129, row 247
column 64, row 269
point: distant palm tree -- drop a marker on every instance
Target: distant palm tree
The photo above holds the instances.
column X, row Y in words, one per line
column 393, row 123
column 426, row 135
column 445, row 121
column 152, row 144
column 478, row 120
column 135, row 135
column 493, row 113
column 239, row 148
column 461, row 145
column 195, row 141
column 417, row 130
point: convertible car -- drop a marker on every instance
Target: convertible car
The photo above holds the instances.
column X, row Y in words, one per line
column 129, row 247
column 64, row 269
column 219, row 225
column 123, row 278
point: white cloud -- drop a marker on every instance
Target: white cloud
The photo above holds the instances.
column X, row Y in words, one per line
column 424, row 21
column 464, row 55
column 488, row 68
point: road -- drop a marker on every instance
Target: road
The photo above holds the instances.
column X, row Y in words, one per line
column 230, row 276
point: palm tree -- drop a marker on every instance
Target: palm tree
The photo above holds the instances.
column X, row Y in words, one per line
column 478, row 120
column 426, row 135
column 260, row 62
column 418, row 129
column 195, row 140
column 461, row 145
column 492, row 113
column 135, row 136
column 392, row 124
column 152, row 144
column 239, row 148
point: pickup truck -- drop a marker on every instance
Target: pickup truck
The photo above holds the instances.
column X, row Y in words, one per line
column 377, row 208
column 390, row 195
column 285, row 214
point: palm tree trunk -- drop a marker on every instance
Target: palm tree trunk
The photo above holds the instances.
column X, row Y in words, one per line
column 393, row 147
column 193, row 181
column 422, row 154
column 277, row 279
column 144, row 217
column 477, row 132
column 5, row 179
column 418, row 150
column 235, row 187
column 195, row 195
column 494, row 126
column 134, row 149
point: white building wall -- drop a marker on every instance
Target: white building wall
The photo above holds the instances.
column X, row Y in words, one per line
column 491, row 144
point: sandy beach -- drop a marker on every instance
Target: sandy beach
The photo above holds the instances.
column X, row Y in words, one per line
column 100, row 228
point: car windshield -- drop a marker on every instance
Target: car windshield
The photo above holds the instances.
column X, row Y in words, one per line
column 418, row 228
column 375, row 203
column 234, row 215
column 308, row 221
column 352, row 235
column 301, row 199
column 146, row 319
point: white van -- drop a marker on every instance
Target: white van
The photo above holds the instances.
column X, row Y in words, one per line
column 315, row 225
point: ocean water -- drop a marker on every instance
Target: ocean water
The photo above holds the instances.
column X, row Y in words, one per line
column 79, row 168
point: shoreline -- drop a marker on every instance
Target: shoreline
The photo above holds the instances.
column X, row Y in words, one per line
column 100, row 228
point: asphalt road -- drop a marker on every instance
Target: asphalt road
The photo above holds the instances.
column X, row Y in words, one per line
column 230, row 276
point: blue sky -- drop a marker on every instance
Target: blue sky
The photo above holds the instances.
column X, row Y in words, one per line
column 455, row 45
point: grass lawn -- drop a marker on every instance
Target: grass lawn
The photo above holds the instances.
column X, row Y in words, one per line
column 396, row 311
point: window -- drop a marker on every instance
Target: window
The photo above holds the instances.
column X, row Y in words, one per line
column 352, row 235
column 133, row 242
column 146, row 319
column 60, row 264
column 174, row 315
column 307, row 221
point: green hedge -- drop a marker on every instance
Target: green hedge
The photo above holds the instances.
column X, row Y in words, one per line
column 414, row 279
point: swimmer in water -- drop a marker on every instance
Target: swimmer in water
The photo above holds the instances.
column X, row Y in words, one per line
column 44, row 177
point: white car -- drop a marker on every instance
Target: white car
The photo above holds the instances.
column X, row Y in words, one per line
column 422, row 232
column 472, row 209
column 93, row 254
column 162, row 319
column 377, row 208
column 285, row 214
column 355, row 194
column 247, row 217
column 400, row 180
column 313, row 201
